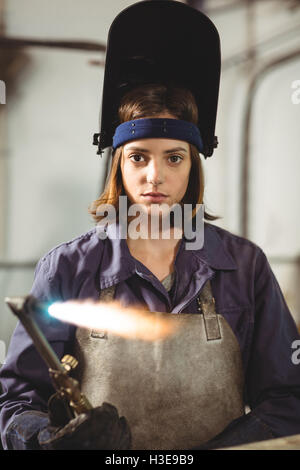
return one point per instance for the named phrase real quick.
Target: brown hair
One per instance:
(152, 100)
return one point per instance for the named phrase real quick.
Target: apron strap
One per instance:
(206, 304)
(107, 294)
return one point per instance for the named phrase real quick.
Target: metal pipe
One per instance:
(3, 162)
(18, 264)
(7, 42)
(254, 81)
(260, 46)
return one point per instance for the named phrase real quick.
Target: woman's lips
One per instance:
(154, 197)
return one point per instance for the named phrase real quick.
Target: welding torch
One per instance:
(67, 387)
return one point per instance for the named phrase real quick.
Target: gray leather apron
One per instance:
(175, 393)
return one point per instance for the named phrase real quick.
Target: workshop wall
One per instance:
(50, 169)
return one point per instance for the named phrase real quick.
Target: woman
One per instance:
(235, 345)
(155, 172)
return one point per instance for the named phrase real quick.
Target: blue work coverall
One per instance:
(246, 294)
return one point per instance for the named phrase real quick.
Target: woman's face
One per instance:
(155, 171)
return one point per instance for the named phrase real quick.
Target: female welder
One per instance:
(234, 347)
(184, 393)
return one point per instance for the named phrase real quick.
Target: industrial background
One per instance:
(51, 70)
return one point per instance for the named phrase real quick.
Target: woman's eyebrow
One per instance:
(176, 149)
(139, 149)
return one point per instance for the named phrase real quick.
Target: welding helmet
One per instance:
(165, 42)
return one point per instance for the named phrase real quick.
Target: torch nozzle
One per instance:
(16, 304)
(25, 305)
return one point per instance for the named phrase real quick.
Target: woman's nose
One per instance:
(155, 173)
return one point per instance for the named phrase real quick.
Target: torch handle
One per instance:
(65, 385)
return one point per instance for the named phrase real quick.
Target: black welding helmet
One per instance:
(167, 42)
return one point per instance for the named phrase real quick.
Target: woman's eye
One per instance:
(175, 158)
(137, 158)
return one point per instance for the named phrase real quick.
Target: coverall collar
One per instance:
(118, 264)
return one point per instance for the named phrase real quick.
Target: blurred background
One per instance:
(51, 70)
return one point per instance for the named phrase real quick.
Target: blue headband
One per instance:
(159, 128)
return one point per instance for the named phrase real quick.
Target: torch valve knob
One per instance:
(69, 362)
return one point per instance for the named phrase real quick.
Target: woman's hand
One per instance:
(99, 428)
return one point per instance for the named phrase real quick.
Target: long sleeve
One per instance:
(25, 381)
(272, 377)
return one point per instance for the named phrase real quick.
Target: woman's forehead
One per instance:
(153, 144)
